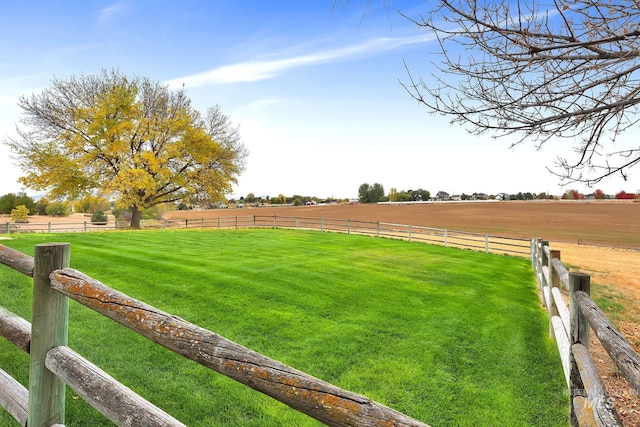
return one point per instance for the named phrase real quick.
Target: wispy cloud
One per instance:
(107, 13)
(250, 71)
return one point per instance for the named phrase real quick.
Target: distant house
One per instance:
(623, 195)
(502, 196)
(456, 197)
(442, 195)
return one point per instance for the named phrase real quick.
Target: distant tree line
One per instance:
(374, 193)
(44, 206)
(20, 206)
(295, 200)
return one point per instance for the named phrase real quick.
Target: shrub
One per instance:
(41, 206)
(19, 214)
(572, 195)
(599, 194)
(10, 201)
(98, 216)
(57, 209)
(91, 204)
(122, 214)
(154, 212)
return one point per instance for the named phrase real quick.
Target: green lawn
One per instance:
(450, 337)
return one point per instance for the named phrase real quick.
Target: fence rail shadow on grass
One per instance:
(53, 364)
(570, 326)
(437, 236)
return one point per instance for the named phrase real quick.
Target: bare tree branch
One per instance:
(537, 72)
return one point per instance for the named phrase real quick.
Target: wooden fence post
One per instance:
(578, 334)
(533, 251)
(409, 231)
(378, 229)
(555, 283)
(486, 243)
(48, 330)
(544, 261)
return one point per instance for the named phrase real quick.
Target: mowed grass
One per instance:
(450, 337)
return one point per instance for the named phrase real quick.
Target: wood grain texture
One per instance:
(16, 260)
(597, 397)
(16, 329)
(111, 398)
(14, 398)
(49, 325)
(623, 355)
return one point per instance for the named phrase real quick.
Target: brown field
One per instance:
(610, 223)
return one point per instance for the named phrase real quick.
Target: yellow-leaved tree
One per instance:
(127, 138)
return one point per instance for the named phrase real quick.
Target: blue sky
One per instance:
(314, 87)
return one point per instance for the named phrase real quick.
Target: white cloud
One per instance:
(250, 71)
(107, 13)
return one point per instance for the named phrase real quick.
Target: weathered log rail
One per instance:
(590, 402)
(53, 364)
(437, 236)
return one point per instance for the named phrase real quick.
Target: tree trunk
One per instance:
(136, 215)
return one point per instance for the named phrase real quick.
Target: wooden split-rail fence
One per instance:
(438, 236)
(53, 364)
(571, 325)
